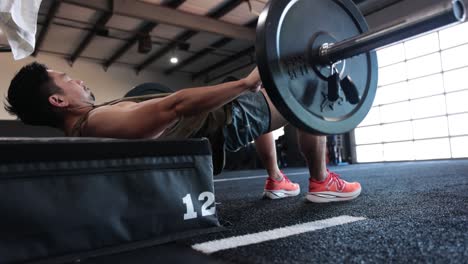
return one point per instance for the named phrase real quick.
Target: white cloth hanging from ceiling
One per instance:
(18, 21)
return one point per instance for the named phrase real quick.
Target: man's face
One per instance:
(74, 91)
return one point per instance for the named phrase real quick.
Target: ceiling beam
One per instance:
(100, 24)
(184, 36)
(160, 14)
(245, 52)
(45, 28)
(222, 10)
(371, 6)
(145, 29)
(366, 7)
(218, 44)
(172, 45)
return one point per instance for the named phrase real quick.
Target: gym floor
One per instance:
(408, 212)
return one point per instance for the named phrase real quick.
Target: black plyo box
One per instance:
(65, 199)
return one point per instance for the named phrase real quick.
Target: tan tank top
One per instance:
(208, 124)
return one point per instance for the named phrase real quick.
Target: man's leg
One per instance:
(266, 149)
(313, 149)
(324, 186)
(277, 185)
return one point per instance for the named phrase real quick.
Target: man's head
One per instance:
(39, 96)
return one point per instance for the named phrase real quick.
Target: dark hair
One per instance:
(28, 96)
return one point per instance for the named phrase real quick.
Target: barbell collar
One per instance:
(445, 14)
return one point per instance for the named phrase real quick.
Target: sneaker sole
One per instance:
(327, 197)
(278, 194)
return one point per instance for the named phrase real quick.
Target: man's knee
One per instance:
(276, 119)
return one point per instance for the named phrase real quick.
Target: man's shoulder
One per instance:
(105, 111)
(109, 108)
(100, 117)
(111, 120)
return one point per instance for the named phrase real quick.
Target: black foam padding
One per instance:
(66, 199)
(66, 148)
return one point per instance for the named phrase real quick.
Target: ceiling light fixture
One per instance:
(174, 60)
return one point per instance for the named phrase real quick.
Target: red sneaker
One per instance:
(280, 189)
(332, 189)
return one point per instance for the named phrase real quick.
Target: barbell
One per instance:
(317, 58)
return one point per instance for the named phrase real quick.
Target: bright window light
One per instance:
(458, 124)
(459, 147)
(370, 153)
(457, 102)
(420, 111)
(392, 74)
(399, 151)
(456, 80)
(395, 112)
(278, 132)
(391, 55)
(454, 58)
(366, 135)
(392, 93)
(372, 118)
(422, 46)
(423, 66)
(454, 36)
(431, 85)
(428, 107)
(432, 149)
(397, 132)
(430, 128)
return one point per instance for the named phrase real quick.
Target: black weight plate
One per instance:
(148, 88)
(286, 32)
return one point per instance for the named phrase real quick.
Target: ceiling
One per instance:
(78, 31)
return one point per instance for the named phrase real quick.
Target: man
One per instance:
(233, 113)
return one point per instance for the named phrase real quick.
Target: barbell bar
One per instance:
(317, 58)
(448, 13)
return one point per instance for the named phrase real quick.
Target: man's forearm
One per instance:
(195, 100)
(150, 118)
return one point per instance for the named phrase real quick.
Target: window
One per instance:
(278, 132)
(421, 110)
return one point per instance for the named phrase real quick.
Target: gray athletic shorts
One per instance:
(250, 119)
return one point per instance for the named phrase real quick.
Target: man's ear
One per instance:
(58, 100)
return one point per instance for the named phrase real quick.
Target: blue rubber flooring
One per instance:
(415, 212)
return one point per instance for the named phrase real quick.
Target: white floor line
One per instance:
(238, 241)
(256, 177)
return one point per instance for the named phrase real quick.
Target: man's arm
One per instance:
(150, 118)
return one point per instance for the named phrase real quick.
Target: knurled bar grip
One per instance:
(444, 14)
